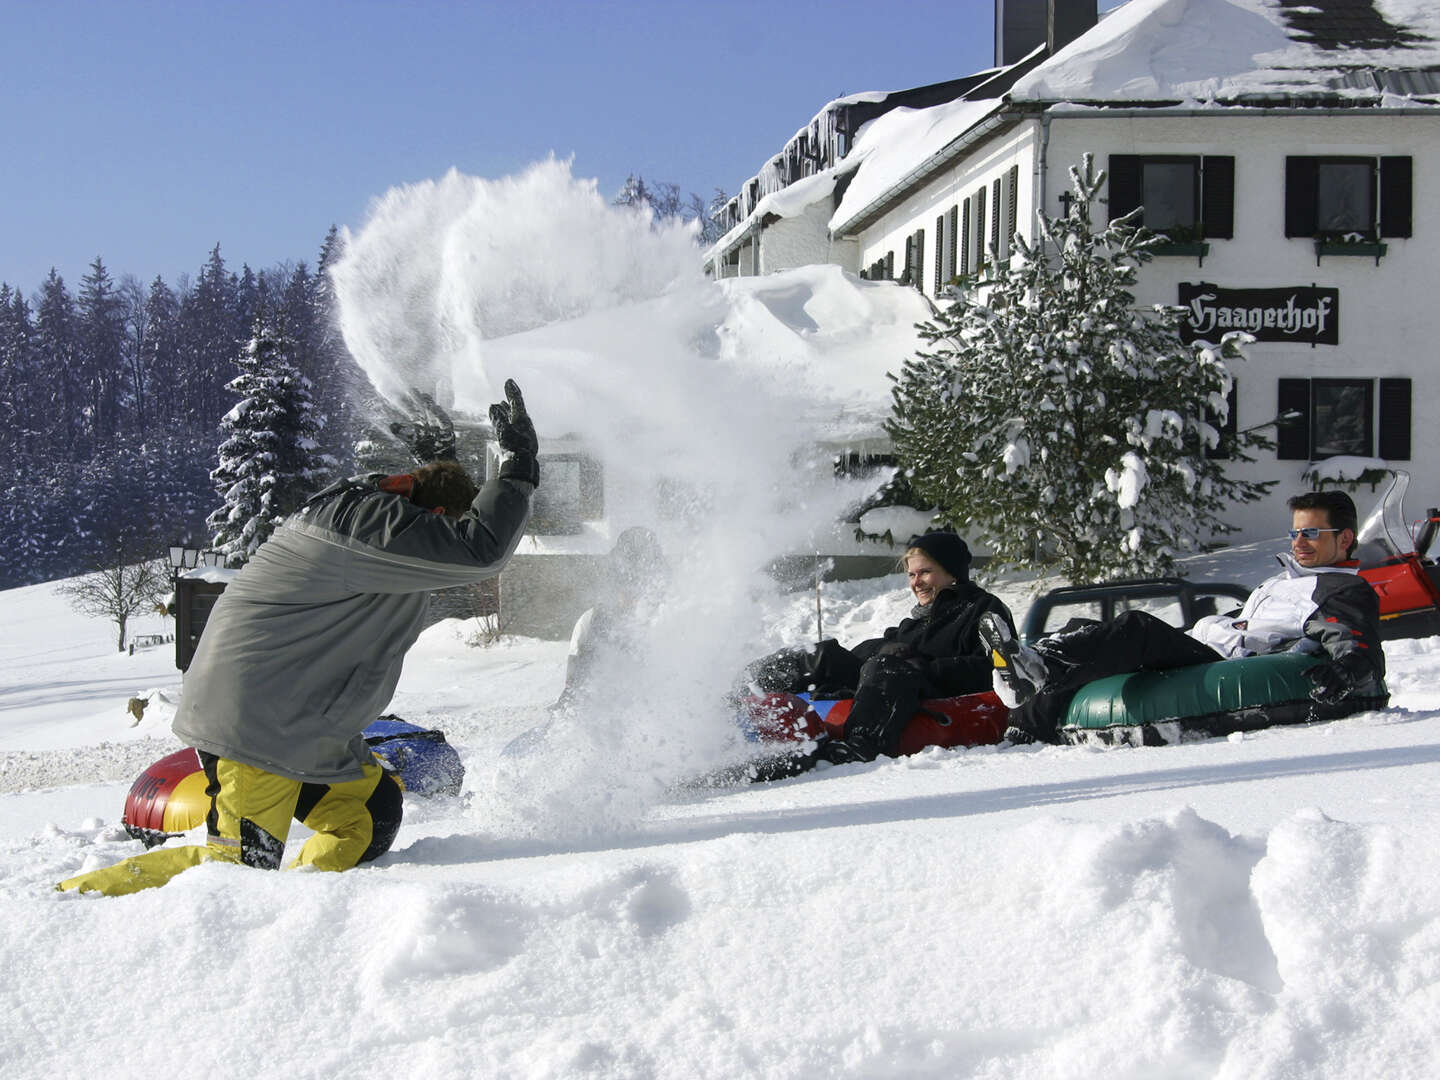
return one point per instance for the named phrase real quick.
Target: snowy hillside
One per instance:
(1260, 906)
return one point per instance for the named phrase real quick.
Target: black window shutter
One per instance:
(1292, 438)
(918, 277)
(1012, 221)
(909, 272)
(995, 217)
(1125, 189)
(939, 253)
(1395, 196)
(1395, 419)
(1302, 183)
(889, 266)
(1218, 192)
(954, 238)
(981, 251)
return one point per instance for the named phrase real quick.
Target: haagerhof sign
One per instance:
(1303, 313)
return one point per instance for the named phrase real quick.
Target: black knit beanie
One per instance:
(947, 549)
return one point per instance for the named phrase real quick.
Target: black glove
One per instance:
(1333, 682)
(516, 436)
(431, 437)
(901, 650)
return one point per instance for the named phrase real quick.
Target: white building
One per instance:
(1291, 152)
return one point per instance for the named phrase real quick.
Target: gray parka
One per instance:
(304, 649)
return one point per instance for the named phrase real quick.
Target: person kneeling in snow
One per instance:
(1317, 604)
(936, 652)
(305, 647)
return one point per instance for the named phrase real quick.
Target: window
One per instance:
(1188, 197)
(966, 262)
(1332, 197)
(1339, 416)
(917, 277)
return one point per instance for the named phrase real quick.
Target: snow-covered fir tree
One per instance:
(1061, 424)
(269, 461)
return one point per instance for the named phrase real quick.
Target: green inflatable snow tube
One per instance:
(1152, 708)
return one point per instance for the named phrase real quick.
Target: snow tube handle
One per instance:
(1426, 536)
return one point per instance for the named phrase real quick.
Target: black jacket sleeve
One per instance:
(1346, 623)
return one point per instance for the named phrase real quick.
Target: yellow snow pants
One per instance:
(249, 819)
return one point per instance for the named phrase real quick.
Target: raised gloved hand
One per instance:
(1333, 681)
(431, 436)
(516, 436)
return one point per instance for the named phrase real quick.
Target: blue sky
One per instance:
(147, 132)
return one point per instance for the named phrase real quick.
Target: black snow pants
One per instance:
(1086, 650)
(886, 689)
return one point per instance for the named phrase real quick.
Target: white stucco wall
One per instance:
(1389, 318)
(993, 160)
(1389, 321)
(801, 240)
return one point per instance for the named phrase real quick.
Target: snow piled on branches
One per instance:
(1059, 423)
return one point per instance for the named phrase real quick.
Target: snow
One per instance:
(893, 144)
(1208, 51)
(1266, 905)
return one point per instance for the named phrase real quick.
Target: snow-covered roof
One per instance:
(1228, 51)
(894, 148)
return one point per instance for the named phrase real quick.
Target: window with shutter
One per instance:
(1169, 188)
(1342, 197)
(917, 278)
(908, 275)
(890, 266)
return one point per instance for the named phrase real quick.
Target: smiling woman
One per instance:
(935, 653)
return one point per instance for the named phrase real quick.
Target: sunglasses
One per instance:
(1310, 533)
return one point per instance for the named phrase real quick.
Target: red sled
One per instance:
(968, 720)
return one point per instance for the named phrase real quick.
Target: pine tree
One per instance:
(269, 460)
(60, 395)
(1062, 424)
(101, 338)
(208, 337)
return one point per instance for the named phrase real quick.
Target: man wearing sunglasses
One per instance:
(1318, 603)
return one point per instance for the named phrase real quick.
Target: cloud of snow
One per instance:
(704, 404)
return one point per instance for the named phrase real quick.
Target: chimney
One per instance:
(1021, 25)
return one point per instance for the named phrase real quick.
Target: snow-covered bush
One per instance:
(1059, 423)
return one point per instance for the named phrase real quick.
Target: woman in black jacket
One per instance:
(936, 652)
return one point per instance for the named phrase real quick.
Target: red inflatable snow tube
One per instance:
(969, 720)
